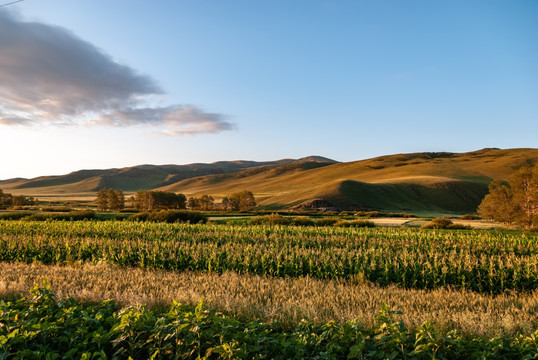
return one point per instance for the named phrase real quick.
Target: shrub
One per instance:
(302, 221)
(142, 216)
(326, 221)
(55, 209)
(80, 215)
(70, 216)
(444, 223)
(37, 217)
(355, 223)
(170, 216)
(14, 215)
(273, 219)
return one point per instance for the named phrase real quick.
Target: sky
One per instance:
(108, 84)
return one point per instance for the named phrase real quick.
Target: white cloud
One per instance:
(49, 76)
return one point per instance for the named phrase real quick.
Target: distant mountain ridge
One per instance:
(142, 177)
(427, 181)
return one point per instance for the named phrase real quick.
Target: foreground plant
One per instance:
(40, 327)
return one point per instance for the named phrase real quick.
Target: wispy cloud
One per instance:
(173, 120)
(49, 76)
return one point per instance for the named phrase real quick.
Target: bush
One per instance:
(170, 216)
(444, 223)
(37, 217)
(302, 221)
(355, 223)
(273, 219)
(80, 215)
(14, 215)
(55, 209)
(70, 216)
(142, 216)
(326, 221)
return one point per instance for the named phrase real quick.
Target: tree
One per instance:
(5, 199)
(498, 204)
(102, 199)
(151, 200)
(243, 201)
(192, 203)
(225, 203)
(246, 201)
(516, 201)
(121, 199)
(132, 202)
(524, 185)
(205, 202)
(110, 199)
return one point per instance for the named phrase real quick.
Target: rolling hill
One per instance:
(453, 182)
(142, 177)
(403, 182)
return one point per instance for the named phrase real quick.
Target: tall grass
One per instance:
(287, 301)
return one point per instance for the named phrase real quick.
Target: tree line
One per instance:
(240, 201)
(8, 200)
(158, 200)
(114, 199)
(110, 199)
(514, 201)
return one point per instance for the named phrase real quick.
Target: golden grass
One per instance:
(277, 299)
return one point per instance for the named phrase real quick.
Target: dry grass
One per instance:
(276, 299)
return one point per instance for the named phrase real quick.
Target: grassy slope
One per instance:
(422, 181)
(128, 179)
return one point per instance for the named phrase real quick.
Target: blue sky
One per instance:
(100, 84)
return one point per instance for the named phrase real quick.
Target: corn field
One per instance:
(484, 262)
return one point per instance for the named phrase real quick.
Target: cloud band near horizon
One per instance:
(49, 76)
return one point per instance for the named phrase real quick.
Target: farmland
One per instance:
(461, 293)
(491, 262)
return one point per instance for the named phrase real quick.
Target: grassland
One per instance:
(283, 291)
